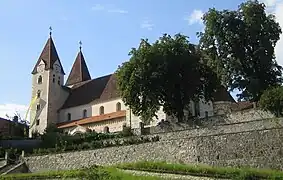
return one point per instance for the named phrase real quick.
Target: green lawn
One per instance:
(95, 173)
(202, 170)
(113, 173)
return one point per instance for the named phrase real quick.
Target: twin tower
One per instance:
(49, 92)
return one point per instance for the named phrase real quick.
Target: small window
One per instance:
(106, 129)
(37, 107)
(84, 113)
(118, 106)
(39, 80)
(53, 80)
(38, 94)
(101, 110)
(58, 82)
(37, 122)
(69, 116)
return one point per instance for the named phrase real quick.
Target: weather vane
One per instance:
(50, 28)
(80, 43)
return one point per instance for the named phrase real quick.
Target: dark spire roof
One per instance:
(49, 55)
(79, 72)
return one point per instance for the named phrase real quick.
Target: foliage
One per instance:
(239, 46)
(203, 170)
(95, 172)
(94, 144)
(167, 73)
(272, 100)
(126, 131)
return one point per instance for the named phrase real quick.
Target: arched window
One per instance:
(59, 80)
(101, 110)
(38, 94)
(84, 113)
(118, 106)
(39, 80)
(69, 117)
(106, 129)
(53, 80)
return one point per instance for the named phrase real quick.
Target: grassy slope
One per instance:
(202, 170)
(91, 173)
(112, 173)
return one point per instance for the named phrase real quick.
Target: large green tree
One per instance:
(167, 73)
(239, 46)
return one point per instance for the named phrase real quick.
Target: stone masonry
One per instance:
(256, 143)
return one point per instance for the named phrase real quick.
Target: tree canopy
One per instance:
(239, 46)
(168, 73)
(272, 100)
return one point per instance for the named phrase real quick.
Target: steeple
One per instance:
(79, 72)
(48, 55)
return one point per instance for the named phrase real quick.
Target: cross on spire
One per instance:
(80, 43)
(50, 30)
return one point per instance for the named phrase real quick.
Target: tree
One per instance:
(272, 100)
(239, 46)
(167, 73)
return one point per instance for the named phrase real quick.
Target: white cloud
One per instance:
(147, 24)
(195, 17)
(99, 7)
(11, 109)
(276, 7)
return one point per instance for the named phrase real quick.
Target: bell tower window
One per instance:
(38, 94)
(37, 107)
(37, 122)
(39, 80)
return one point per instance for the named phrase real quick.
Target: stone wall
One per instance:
(255, 144)
(231, 118)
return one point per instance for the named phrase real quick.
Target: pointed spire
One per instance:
(49, 55)
(79, 72)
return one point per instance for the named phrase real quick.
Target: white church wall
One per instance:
(114, 125)
(76, 112)
(109, 106)
(134, 120)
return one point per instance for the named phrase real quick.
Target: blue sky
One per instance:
(107, 29)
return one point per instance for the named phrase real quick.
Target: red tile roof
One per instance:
(93, 119)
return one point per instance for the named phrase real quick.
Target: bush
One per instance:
(126, 132)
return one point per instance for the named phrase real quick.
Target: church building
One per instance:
(83, 103)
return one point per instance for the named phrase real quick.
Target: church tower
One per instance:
(48, 93)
